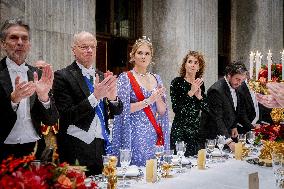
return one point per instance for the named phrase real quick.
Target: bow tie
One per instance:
(19, 69)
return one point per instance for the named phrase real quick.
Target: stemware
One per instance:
(167, 163)
(250, 136)
(159, 151)
(125, 159)
(277, 166)
(180, 148)
(221, 141)
(210, 146)
(242, 138)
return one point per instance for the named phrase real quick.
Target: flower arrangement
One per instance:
(276, 73)
(270, 132)
(18, 173)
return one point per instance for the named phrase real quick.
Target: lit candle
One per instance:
(257, 63)
(269, 63)
(282, 62)
(251, 59)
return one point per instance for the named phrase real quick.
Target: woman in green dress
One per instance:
(188, 100)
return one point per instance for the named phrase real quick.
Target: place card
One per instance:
(151, 170)
(253, 181)
(238, 151)
(201, 159)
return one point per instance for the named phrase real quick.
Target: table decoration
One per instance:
(18, 173)
(110, 172)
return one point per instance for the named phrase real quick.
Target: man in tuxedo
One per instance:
(224, 105)
(84, 106)
(25, 102)
(252, 113)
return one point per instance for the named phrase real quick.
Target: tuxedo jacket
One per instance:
(222, 116)
(71, 97)
(248, 111)
(8, 116)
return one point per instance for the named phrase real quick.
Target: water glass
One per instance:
(277, 159)
(221, 141)
(210, 146)
(242, 138)
(167, 163)
(250, 136)
(180, 148)
(125, 159)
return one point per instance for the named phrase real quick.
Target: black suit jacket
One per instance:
(71, 97)
(8, 116)
(222, 116)
(248, 113)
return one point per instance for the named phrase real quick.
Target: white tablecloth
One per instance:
(232, 174)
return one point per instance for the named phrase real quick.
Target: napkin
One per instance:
(132, 171)
(216, 153)
(184, 160)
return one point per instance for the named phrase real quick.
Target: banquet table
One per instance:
(232, 174)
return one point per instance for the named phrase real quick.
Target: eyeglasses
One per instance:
(86, 47)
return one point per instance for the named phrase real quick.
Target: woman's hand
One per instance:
(195, 87)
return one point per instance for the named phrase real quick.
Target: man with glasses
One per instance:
(224, 106)
(85, 98)
(25, 101)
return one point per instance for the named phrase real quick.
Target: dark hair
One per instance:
(200, 60)
(234, 68)
(12, 22)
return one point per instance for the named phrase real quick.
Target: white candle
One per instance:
(269, 63)
(282, 62)
(251, 59)
(257, 63)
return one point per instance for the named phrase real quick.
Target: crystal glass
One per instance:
(277, 159)
(125, 159)
(35, 165)
(221, 141)
(167, 164)
(159, 151)
(105, 169)
(210, 146)
(180, 148)
(242, 138)
(250, 136)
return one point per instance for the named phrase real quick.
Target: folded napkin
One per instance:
(184, 160)
(132, 171)
(216, 153)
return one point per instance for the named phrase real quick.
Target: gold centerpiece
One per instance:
(110, 172)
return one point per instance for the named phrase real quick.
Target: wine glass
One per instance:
(221, 141)
(125, 159)
(277, 165)
(105, 169)
(210, 146)
(180, 148)
(250, 138)
(167, 163)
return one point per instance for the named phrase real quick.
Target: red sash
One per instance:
(147, 110)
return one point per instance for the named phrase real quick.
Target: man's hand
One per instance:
(234, 133)
(106, 88)
(22, 90)
(44, 85)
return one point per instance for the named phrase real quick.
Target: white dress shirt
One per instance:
(23, 130)
(255, 104)
(95, 130)
(233, 94)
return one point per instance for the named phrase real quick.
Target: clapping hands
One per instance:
(107, 87)
(195, 88)
(157, 94)
(275, 99)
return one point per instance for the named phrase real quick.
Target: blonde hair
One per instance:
(137, 44)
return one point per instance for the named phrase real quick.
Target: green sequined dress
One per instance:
(187, 110)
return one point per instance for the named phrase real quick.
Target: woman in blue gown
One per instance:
(133, 129)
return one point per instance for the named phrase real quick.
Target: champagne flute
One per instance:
(125, 159)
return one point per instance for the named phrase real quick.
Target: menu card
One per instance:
(201, 159)
(151, 170)
(253, 181)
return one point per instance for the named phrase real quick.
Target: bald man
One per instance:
(85, 98)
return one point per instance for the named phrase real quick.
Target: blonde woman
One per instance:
(144, 121)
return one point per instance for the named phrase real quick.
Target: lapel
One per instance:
(5, 79)
(247, 94)
(77, 74)
(228, 93)
(31, 78)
